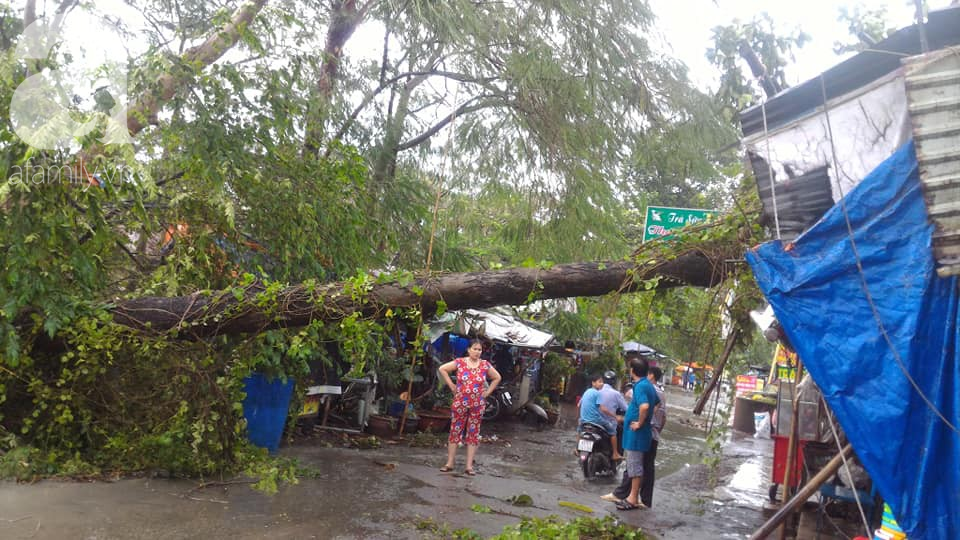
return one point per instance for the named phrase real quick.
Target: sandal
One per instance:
(469, 472)
(446, 469)
(624, 504)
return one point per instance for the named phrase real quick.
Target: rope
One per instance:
(856, 494)
(773, 187)
(863, 279)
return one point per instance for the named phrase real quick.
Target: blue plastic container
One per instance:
(265, 408)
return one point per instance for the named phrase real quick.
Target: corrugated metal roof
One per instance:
(943, 30)
(933, 95)
(801, 200)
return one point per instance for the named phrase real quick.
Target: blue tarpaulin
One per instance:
(820, 298)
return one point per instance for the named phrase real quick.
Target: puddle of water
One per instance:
(746, 486)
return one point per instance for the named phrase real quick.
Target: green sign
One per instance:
(661, 220)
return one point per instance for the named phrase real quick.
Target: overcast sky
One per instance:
(687, 24)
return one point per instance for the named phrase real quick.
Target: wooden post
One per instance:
(808, 489)
(406, 402)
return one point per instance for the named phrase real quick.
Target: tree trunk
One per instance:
(344, 19)
(206, 314)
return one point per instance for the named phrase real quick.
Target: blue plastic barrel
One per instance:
(265, 409)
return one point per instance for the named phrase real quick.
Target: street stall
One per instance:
(856, 170)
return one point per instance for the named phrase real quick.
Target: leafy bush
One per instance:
(580, 528)
(556, 367)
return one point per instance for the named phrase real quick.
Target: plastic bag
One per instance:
(761, 422)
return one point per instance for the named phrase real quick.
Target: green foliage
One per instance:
(556, 368)
(867, 26)
(521, 499)
(567, 326)
(605, 361)
(437, 530)
(581, 528)
(739, 86)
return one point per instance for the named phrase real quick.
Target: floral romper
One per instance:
(468, 405)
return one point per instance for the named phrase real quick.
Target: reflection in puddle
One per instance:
(746, 486)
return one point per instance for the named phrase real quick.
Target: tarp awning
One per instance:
(859, 349)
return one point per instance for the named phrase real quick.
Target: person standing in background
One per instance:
(657, 421)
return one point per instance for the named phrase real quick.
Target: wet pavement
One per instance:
(397, 491)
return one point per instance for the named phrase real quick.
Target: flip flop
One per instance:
(624, 504)
(446, 469)
(469, 472)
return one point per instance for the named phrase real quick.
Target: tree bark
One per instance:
(206, 314)
(770, 87)
(344, 20)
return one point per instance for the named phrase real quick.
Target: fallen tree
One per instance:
(254, 309)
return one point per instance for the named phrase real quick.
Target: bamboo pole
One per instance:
(792, 443)
(808, 489)
(718, 371)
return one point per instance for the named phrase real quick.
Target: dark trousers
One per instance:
(646, 483)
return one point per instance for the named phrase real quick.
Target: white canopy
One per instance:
(633, 346)
(501, 327)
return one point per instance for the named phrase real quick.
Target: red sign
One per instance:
(746, 384)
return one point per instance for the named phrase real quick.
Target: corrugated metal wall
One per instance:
(801, 200)
(933, 95)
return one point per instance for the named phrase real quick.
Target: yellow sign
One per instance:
(784, 366)
(311, 405)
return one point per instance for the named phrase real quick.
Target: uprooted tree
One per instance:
(141, 284)
(207, 314)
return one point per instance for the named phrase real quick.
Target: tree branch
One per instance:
(391, 81)
(200, 56)
(465, 108)
(29, 13)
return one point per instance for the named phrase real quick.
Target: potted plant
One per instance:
(552, 409)
(442, 399)
(382, 425)
(433, 421)
(556, 372)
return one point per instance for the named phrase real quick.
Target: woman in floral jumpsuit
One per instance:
(468, 401)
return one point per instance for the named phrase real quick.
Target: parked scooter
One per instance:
(496, 403)
(595, 452)
(501, 402)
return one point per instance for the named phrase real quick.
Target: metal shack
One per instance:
(859, 173)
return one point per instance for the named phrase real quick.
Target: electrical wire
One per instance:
(863, 279)
(853, 487)
(773, 187)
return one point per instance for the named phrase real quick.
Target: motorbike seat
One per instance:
(591, 425)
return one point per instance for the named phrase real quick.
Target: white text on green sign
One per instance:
(661, 220)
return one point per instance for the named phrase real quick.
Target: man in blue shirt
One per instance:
(637, 433)
(658, 419)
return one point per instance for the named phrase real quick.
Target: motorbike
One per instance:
(595, 452)
(501, 402)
